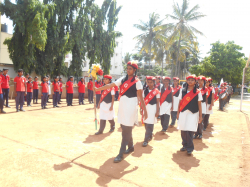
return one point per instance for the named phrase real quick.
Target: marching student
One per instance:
(222, 95)
(70, 90)
(61, 90)
(29, 91)
(45, 91)
(152, 101)
(55, 91)
(130, 89)
(81, 91)
(106, 106)
(5, 86)
(98, 84)
(166, 102)
(210, 102)
(204, 92)
(20, 90)
(1, 97)
(158, 84)
(90, 91)
(176, 92)
(189, 113)
(35, 90)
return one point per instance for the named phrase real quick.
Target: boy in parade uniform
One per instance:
(20, 90)
(189, 113)
(29, 91)
(151, 97)
(176, 92)
(35, 90)
(166, 101)
(5, 86)
(90, 91)
(81, 91)
(56, 91)
(1, 97)
(45, 91)
(204, 92)
(106, 106)
(130, 91)
(222, 94)
(70, 90)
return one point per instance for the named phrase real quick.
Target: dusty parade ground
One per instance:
(57, 147)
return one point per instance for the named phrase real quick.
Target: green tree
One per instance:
(147, 41)
(181, 28)
(30, 20)
(224, 61)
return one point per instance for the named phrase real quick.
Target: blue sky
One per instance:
(226, 20)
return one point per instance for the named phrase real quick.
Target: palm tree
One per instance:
(181, 29)
(148, 40)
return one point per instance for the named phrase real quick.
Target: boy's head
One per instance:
(20, 72)
(82, 79)
(60, 78)
(44, 79)
(107, 79)
(5, 71)
(56, 78)
(166, 80)
(30, 79)
(36, 78)
(71, 78)
(150, 82)
(90, 80)
(27, 75)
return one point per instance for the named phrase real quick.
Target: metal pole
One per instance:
(242, 88)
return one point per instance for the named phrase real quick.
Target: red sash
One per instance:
(105, 93)
(176, 89)
(164, 95)
(205, 91)
(156, 86)
(222, 91)
(216, 95)
(151, 95)
(187, 98)
(126, 85)
(210, 89)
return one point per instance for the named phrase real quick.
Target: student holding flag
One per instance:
(130, 91)
(189, 113)
(176, 92)
(152, 99)
(165, 103)
(106, 106)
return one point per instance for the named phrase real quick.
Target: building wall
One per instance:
(4, 54)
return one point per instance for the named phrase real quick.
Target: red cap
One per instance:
(133, 64)
(149, 77)
(209, 79)
(201, 78)
(108, 76)
(166, 78)
(176, 78)
(191, 77)
(158, 77)
(222, 84)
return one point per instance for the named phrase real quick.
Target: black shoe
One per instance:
(30, 105)
(71, 105)
(111, 130)
(204, 129)
(45, 107)
(59, 103)
(97, 133)
(118, 159)
(17, 110)
(183, 149)
(144, 144)
(163, 130)
(200, 137)
(42, 107)
(8, 106)
(189, 152)
(21, 109)
(195, 136)
(3, 112)
(48, 102)
(129, 150)
(54, 106)
(57, 106)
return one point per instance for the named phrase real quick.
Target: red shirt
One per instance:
(29, 87)
(116, 88)
(5, 81)
(98, 85)
(35, 85)
(70, 87)
(20, 83)
(0, 85)
(44, 87)
(81, 88)
(56, 86)
(90, 85)
(61, 86)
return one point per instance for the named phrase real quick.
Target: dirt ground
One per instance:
(57, 147)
